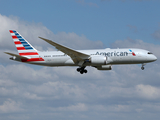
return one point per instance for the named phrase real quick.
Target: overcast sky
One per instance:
(29, 92)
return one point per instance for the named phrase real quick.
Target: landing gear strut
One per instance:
(82, 70)
(143, 66)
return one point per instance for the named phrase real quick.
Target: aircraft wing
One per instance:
(18, 56)
(75, 55)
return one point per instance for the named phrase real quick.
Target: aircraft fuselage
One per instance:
(114, 56)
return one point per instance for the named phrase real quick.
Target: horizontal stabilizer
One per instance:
(17, 56)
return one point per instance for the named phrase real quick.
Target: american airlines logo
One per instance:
(132, 52)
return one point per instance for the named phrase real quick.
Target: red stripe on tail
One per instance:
(17, 42)
(29, 53)
(11, 31)
(32, 60)
(21, 48)
(14, 37)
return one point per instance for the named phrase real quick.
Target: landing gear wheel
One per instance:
(78, 69)
(81, 70)
(142, 68)
(85, 71)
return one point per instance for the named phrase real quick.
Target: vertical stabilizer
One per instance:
(24, 47)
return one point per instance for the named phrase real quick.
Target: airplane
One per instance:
(102, 59)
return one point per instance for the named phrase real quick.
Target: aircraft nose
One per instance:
(154, 58)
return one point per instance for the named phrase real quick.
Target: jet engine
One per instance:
(98, 60)
(104, 67)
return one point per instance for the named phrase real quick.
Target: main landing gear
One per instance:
(82, 70)
(143, 66)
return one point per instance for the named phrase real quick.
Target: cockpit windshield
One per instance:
(150, 53)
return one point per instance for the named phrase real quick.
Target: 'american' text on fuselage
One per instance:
(109, 54)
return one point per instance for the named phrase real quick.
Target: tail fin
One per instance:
(23, 46)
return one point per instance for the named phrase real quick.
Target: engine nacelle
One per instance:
(104, 67)
(98, 60)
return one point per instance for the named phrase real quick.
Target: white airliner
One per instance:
(102, 59)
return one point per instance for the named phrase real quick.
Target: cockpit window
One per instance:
(150, 53)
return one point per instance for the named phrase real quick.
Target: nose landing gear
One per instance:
(143, 66)
(82, 70)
